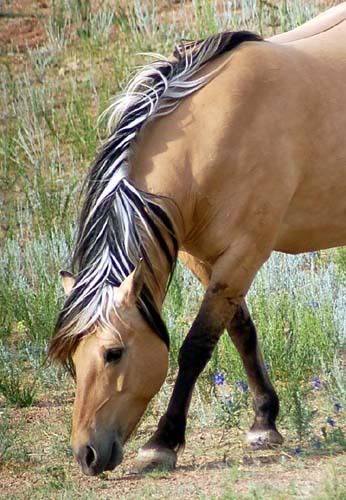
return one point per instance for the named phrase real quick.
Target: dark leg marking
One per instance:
(266, 402)
(194, 354)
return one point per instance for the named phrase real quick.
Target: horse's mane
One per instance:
(118, 222)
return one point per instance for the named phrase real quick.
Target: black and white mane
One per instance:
(118, 222)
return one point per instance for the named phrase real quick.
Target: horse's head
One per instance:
(118, 369)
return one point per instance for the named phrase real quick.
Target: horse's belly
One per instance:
(307, 239)
(316, 218)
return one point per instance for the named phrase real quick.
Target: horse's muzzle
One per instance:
(93, 461)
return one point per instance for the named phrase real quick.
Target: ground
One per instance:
(215, 464)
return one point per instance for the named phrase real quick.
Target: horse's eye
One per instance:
(113, 355)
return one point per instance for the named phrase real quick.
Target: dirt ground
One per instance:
(21, 24)
(215, 464)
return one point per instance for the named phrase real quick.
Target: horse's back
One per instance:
(276, 139)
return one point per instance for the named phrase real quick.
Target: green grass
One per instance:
(48, 137)
(13, 388)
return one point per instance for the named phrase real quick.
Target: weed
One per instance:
(301, 415)
(57, 33)
(14, 386)
(41, 59)
(98, 27)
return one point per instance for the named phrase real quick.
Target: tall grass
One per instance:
(48, 138)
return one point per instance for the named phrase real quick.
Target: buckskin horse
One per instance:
(231, 149)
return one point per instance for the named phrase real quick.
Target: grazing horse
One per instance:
(231, 149)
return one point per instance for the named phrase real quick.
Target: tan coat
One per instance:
(256, 160)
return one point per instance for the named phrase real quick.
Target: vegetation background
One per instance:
(60, 63)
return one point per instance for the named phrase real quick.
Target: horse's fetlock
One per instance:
(170, 433)
(267, 407)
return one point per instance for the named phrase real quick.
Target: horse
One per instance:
(229, 150)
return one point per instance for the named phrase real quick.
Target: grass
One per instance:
(50, 98)
(10, 447)
(13, 389)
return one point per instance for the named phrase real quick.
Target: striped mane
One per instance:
(118, 222)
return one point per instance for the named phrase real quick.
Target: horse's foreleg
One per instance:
(196, 350)
(230, 278)
(266, 403)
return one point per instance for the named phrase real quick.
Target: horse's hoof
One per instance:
(262, 439)
(151, 459)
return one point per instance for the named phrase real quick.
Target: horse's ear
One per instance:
(68, 281)
(129, 290)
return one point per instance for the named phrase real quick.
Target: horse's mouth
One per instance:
(116, 456)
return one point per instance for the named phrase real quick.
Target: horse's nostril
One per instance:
(90, 457)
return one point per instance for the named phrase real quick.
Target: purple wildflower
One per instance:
(330, 421)
(241, 386)
(219, 378)
(316, 383)
(337, 407)
(313, 304)
(298, 450)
